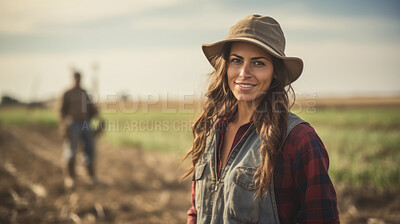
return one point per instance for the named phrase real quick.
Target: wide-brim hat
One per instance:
(262, 31)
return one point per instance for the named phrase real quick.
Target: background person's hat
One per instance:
(262, 31)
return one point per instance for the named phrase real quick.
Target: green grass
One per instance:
(366, 118)
(20, 116)
(156, 131)
(363, 143)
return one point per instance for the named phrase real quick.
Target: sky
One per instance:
(152, 48)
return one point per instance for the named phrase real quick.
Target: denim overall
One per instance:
(230, 198)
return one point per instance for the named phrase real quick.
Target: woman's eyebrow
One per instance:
(254, 58)
(237, 56)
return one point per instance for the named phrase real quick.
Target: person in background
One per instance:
(252, 160)
(75, 114)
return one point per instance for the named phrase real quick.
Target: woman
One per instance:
(252, 160)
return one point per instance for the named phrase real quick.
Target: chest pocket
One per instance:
(200, 185)
(243, 205)
(199, 171)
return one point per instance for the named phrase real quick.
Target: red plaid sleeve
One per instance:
(303, 188)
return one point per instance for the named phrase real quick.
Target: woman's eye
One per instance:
(259, 63)
(235, 60)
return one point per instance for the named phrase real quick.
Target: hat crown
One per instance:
(262, 28)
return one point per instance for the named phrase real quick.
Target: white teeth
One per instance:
(245, 86)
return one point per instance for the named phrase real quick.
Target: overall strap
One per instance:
(293, 121)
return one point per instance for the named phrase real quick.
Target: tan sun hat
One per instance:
(262, 31)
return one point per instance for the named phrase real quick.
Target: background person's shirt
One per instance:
(77, 105)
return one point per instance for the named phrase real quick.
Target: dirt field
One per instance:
(137, 186)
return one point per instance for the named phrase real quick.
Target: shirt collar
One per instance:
(223, 122)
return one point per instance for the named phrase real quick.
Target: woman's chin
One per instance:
(246, 100)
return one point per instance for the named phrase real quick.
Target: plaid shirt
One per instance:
(303, 190)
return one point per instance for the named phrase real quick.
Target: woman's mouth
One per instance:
(245, 86)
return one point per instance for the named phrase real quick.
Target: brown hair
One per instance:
(270, 117)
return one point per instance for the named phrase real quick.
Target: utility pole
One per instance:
(95, 80)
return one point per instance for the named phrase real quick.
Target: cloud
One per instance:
(332, 23)
(346, 67)
(293, 16)
(209, 16)
(171, 71)
(27, 17)
(342, 53)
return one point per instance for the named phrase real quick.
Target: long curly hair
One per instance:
(270, 117)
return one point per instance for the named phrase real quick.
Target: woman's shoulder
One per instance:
(302, 134)
(304, 144)
(301, 130)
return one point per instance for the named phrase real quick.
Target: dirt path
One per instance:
(137, 186)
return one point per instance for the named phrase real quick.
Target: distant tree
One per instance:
(8, 100)
(124, 97)
(35, 105)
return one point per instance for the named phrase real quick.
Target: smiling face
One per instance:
(250, 72)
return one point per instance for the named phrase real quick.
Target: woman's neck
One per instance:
(244, 113)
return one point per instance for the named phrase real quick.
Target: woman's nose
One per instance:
(245, 71)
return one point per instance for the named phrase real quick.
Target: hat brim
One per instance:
(294, 65)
